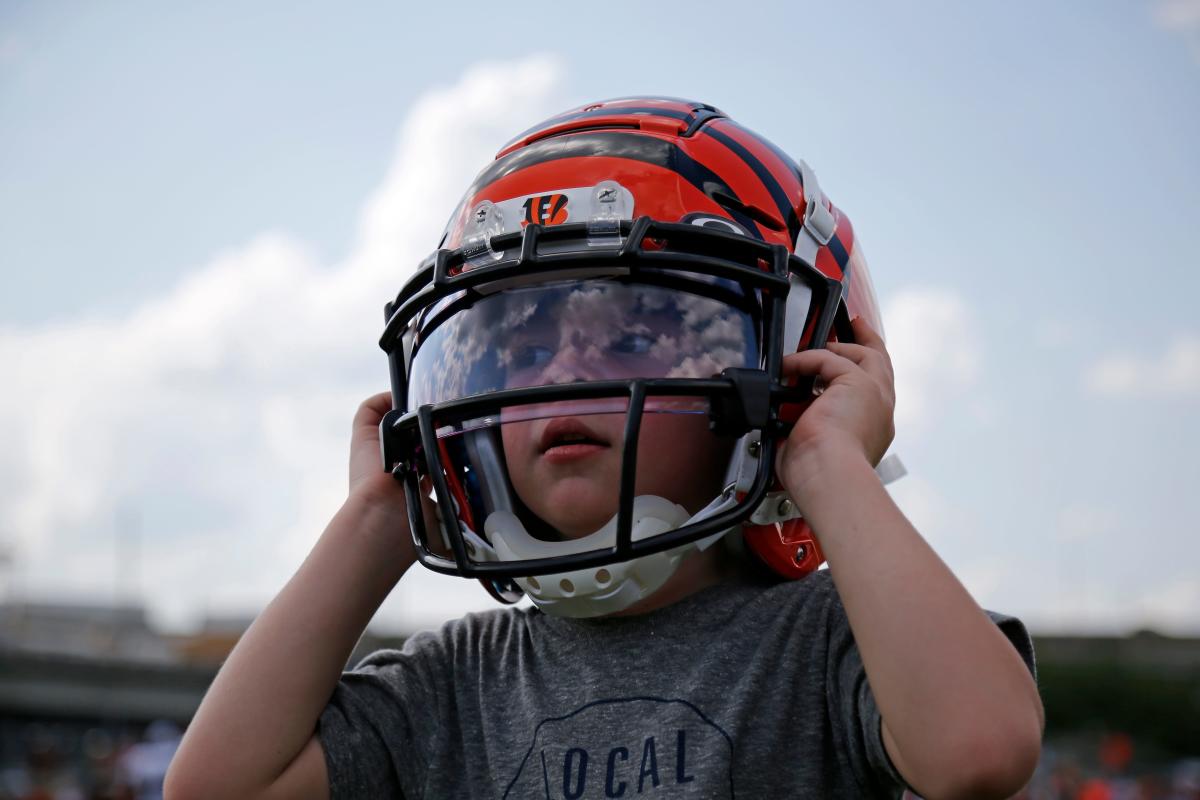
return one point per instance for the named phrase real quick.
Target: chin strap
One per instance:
(595, 591)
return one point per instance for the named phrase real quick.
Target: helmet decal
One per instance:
(545, 209)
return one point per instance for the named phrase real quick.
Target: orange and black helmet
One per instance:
(664, 212)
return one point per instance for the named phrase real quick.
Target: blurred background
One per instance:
(203, 209)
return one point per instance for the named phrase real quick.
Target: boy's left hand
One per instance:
(853, 416)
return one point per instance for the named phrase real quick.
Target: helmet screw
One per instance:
(785, 507)
(754, 447)
(801, 552)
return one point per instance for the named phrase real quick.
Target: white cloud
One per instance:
(1180, 15)
(1170, 606)
(12, 49)
(934, 349)
(221, 410)
(1183, 17)
(1173, 373)
(1057, 333)
(1080, 522)
(1089, 604)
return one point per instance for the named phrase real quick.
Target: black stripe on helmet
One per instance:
(840, 255)
(787, 160)
(787, 209)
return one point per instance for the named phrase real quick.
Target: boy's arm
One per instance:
(962, 715)
(253, 735)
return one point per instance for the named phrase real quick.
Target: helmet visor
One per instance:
(580, 331)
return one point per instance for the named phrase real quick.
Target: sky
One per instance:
(203, 209)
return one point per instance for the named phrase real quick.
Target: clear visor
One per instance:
(579, 331)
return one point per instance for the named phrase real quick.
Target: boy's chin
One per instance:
(580, 525)
(583, 518)
(576, 511)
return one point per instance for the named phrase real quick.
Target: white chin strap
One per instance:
(602, 590)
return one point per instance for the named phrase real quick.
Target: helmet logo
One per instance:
(545, 209)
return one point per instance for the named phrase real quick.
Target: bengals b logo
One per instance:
(546, 209)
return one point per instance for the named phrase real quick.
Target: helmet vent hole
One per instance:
(566, 586)
(603, 577)
(533, 584)
(736, 206)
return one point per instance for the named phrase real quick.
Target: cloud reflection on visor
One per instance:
(579, 331)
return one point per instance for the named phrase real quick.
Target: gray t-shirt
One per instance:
(740, 690)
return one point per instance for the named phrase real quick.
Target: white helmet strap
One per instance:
(819, 222)
(602, 590)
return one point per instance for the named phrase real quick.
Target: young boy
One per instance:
(643, 383)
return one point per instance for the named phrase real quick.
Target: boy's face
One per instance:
(567, 469)
(565, 465)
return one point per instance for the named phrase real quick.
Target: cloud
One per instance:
(1080, 522)
(934, 350)
(1173, 373)
(1182, 17)
(12, 49)
(218, 413)
(1170, 606)
(1101, 605)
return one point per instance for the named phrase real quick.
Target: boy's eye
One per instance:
(633, 344)
(531, 356)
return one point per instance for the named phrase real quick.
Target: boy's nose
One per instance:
(573, 363)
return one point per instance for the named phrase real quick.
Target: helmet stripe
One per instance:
(787, 209)
(840, 254)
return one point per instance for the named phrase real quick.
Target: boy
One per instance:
(647, 346)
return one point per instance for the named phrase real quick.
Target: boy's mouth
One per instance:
(567, 439)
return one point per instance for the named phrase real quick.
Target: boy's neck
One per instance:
(698, 571)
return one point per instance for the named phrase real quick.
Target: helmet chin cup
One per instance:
(602, 590)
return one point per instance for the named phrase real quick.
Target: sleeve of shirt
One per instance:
(857, 722)
(381, 721)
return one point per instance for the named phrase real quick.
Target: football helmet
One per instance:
(618, 275)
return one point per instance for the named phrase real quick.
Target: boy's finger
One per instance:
(870, 359)
(824, 364)
(371, 410)
(867, 336)
(857, 353)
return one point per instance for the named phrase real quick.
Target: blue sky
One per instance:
(1024, 177)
